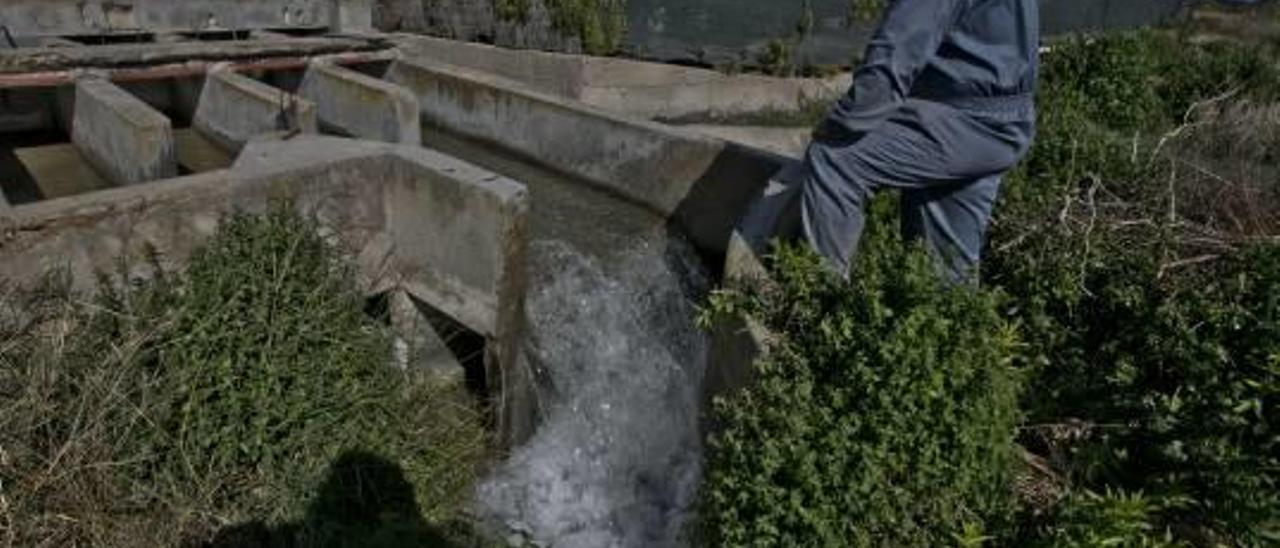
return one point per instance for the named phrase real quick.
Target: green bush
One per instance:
(1088, 520)
(884, 415)
(1144, 319)
(1143, 285)
(229, 393)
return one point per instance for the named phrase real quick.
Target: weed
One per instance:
(164, 409)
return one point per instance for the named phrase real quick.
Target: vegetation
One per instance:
(1138, 241)
(599, 25)
(246, 401)
(1136, 250)
(885, 414)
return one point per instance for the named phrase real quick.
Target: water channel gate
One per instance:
(134, 126)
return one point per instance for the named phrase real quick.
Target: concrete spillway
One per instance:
(571, 241)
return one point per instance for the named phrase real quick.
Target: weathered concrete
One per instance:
(636, 88)
(787, 141)
(351, 16)
(197, 154)
(418, 345)
(134, 55)
(449, 233)
(362, 106)
(739, 341)
(234, 109)
(75, 17)
(702, 184)
(60, 170)
(126, 140)
(25, 110)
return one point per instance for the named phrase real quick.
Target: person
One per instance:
(940, 108)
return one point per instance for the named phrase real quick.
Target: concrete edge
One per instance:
(403, 102)
(630, 86)
(544, 141)
(126, 140)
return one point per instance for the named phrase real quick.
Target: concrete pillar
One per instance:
(233, 109)
(418, 346)
(126, 140)
(362, 106)
(739, 341)
(352, 16)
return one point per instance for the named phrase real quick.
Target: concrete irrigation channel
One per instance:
(461, 190)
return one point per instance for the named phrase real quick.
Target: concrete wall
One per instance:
(71, 17)
(636, 88)
(701, 183)
(394, 209)
(234, 108)
(125, 140)
(359, 105)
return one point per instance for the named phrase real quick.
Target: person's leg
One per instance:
(833, 200)
(922, 146)
(775, 214)
(952, 221)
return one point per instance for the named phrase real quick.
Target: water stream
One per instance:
(617, 460)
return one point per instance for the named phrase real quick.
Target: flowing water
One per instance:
(617, 459)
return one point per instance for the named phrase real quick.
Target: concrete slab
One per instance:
(60, 170)
(233, 109)
(197, 153)
(126, 140)
(359, 105)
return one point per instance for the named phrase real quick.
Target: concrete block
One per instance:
(233, 109)
(127, 141)
(352, 16)
(634, 88)
(60, 171)
(197, 153)
(703, 184)
(361, 106)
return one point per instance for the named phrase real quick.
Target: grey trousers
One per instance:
(947, 162)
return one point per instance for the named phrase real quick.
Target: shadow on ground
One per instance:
(364, 502)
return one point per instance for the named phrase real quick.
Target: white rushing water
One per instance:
(617, 460)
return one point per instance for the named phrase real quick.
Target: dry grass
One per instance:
(124, 422)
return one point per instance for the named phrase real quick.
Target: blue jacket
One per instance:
(979, 54)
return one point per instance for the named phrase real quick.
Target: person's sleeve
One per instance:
(907, 39)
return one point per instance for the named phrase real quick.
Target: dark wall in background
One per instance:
(720, 32)
(725, 31)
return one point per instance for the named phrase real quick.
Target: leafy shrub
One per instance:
(1137, 249)
(223, 394)
(883, 415)
(1087, 520)
(599, 24)
(1143, 302)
